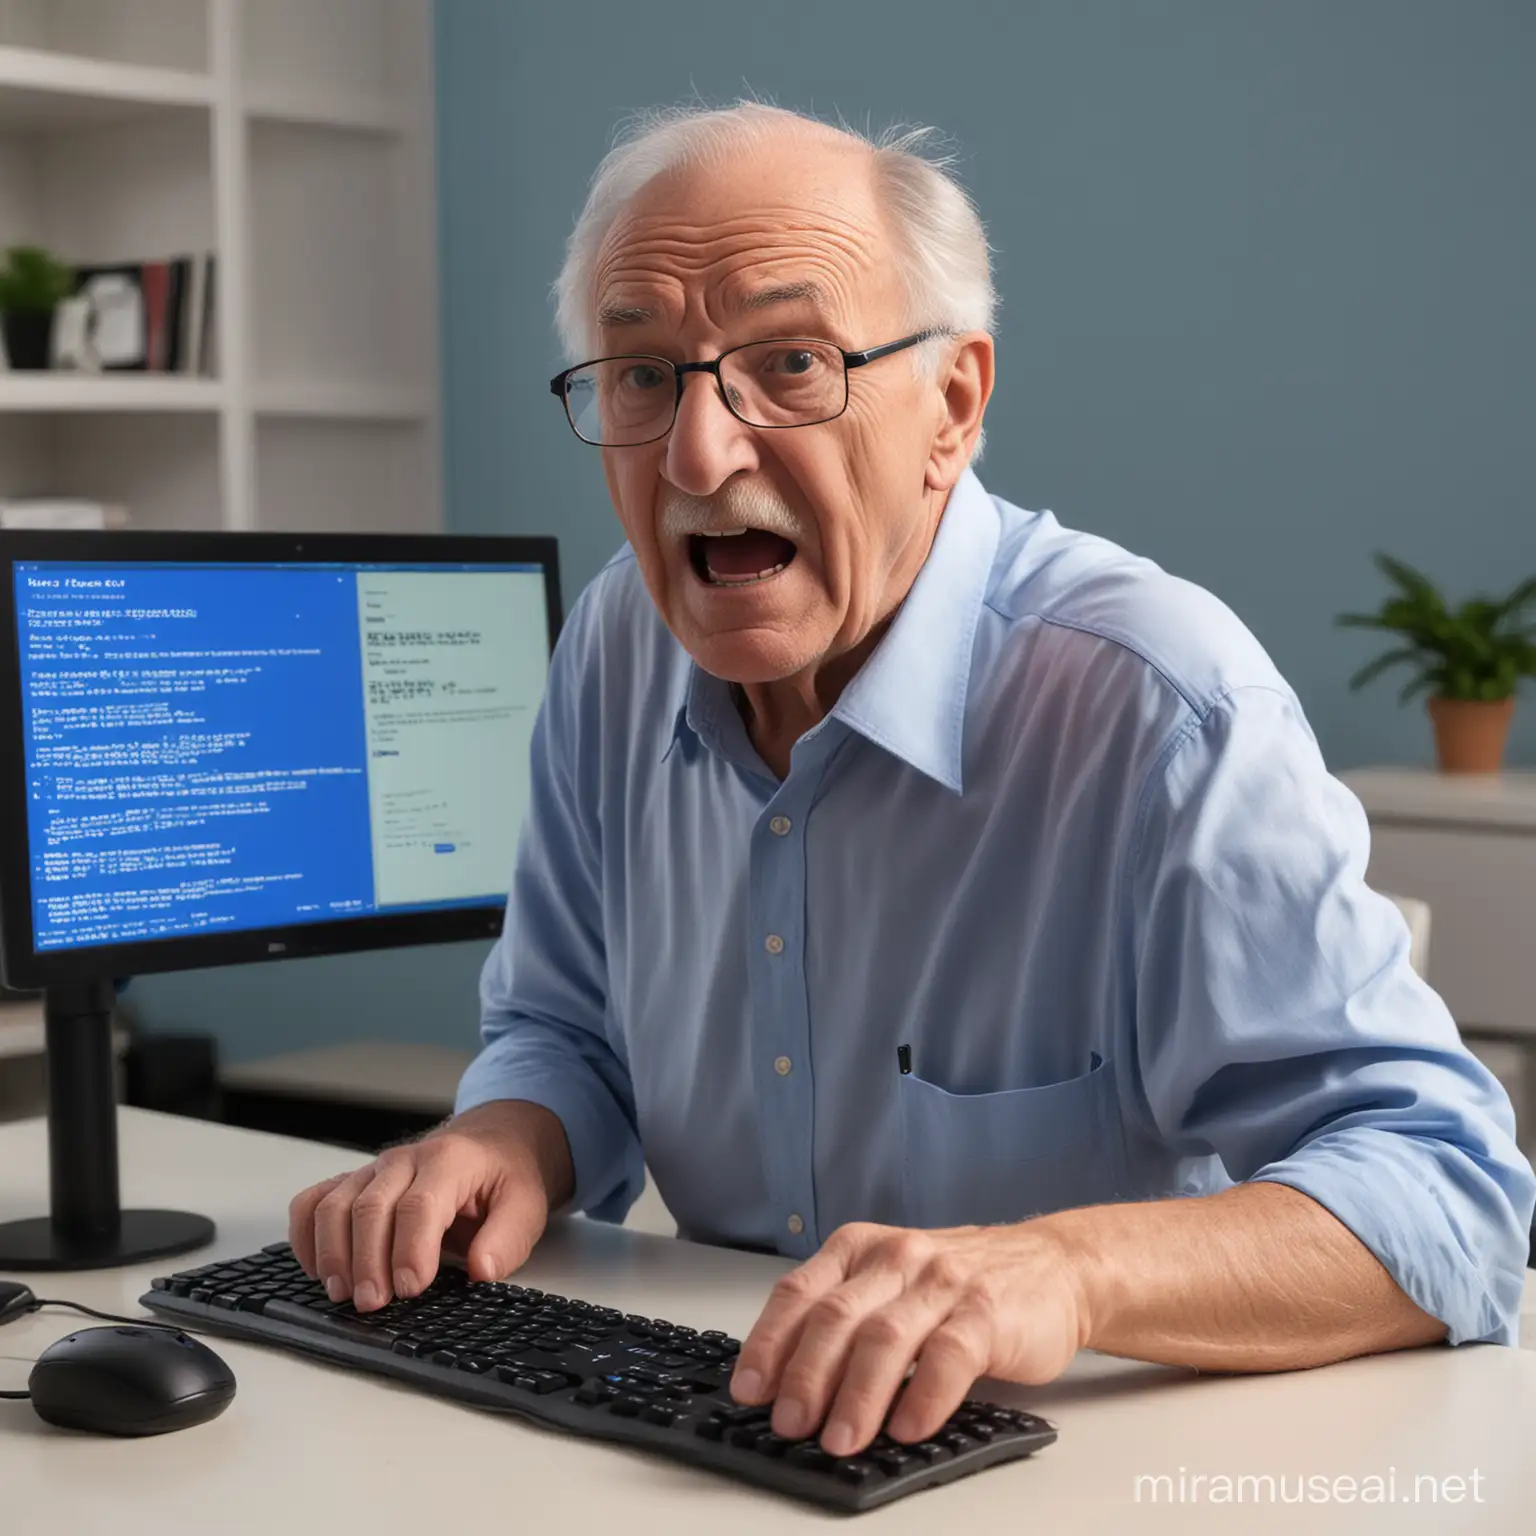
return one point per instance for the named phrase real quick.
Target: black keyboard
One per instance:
(580, 1367)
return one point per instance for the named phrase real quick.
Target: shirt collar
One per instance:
(909, 697)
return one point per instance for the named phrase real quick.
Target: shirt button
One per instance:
(781, 1065)
(795, 1225)
(774, 944)
(779, 826)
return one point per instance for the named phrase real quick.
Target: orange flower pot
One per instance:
(1470, 735)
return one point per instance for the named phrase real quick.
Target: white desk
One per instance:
(306, 1448)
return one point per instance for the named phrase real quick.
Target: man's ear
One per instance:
(966, 388)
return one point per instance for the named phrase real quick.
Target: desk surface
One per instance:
(308, 1448)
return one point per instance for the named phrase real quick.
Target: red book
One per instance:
(157, 289)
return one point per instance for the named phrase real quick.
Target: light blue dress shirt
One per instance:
(1068, 837)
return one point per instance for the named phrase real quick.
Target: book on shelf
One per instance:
(139, 317)
(61, 512)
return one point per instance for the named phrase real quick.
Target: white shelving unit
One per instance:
(293, 139)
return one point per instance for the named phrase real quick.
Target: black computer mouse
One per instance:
(129, 1380)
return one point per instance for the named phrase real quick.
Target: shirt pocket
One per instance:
(981, 1158)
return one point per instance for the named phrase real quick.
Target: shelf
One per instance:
(333, 109)
(108, 392)
(342, 402)
(47, 91)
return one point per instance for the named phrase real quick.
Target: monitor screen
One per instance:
(216, 748)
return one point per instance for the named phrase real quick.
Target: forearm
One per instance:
(529, 1135)
(1257, 1278)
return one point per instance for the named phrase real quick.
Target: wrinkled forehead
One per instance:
(786, 238)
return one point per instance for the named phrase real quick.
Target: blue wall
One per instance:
(1267, 269)
(1268, 273)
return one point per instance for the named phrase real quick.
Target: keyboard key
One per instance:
(592, 1392)
(855, 1469)
(931, 1452)
(710, 1429)
(894, 1462)
(955, 1441)
(627, 1407)
(659, 1413)
(809, 1455)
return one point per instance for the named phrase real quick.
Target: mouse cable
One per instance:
(39, 1302)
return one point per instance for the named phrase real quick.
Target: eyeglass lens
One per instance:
(626, 400)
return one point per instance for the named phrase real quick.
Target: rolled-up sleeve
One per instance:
(543, 993)
(1280, 1026)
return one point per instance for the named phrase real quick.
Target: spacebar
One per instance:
(329, 1324)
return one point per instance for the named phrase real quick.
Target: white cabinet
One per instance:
(1467, 846)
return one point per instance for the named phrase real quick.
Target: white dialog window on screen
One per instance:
(454, 667)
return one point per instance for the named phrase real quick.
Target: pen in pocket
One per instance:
(904, 1058)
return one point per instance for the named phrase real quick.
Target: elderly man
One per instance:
(951, 901)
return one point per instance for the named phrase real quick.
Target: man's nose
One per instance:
(707, 444)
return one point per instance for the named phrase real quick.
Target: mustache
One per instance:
(733, 506)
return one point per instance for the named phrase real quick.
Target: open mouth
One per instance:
(739, 557)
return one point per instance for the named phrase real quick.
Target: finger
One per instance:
(948, 1363)
(440, 1190)
(333, 1233)
(301, 1222)
(513, 1223)
(774, 1335)
(881, 1351)
(810, 1376)
(373, 1230)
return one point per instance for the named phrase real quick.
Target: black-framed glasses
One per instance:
(785, 381)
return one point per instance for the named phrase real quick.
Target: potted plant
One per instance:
(1470, 659)
(32, 286)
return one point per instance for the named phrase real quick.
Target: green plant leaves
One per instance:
(1479, 651)
(33, 280)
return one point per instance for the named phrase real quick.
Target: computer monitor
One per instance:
(219, 748)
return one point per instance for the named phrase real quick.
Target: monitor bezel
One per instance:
(21, 965)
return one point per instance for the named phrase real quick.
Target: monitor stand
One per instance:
(88, 1229)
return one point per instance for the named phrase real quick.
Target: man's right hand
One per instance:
(480, 1188)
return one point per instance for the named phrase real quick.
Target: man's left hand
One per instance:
(834, 1342)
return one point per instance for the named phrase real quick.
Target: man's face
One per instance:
(784, 240)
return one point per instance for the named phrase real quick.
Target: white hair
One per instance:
(941, 247)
